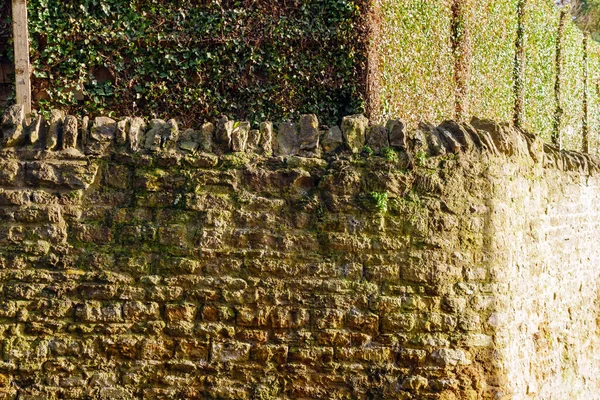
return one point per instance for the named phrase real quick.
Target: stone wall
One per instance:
(301, 262)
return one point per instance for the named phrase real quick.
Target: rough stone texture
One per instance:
(55, 129)
(70, 133)
(224, 130)
(309, 132)
(13, 133)
(397, 134)
(266, 138)
(136, 133)
(377, 138)
(173, 274)
(239, 136)
(287, 142)
(354, 128)
(332, 139)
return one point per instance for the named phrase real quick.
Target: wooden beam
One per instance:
(21, 40)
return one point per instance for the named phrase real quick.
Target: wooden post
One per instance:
(21, 40)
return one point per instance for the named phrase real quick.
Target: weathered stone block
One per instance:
(377, 138)
(170, 136)
(180, 312)
(309, 132)
(157, 129)
(397, 136)
(223, 133)
(13, 133)
(206, 137)
(55, 130)
(287, 139)
(332, 140)
(239, 136)
(354, 129)
(70, 133)
(230, 351)
(136, 134)
(266, 138)
(253, 143)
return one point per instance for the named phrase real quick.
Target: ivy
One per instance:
(251, 59)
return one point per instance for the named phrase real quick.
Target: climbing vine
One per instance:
(254, 59)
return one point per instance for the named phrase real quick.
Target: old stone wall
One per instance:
(301, 262)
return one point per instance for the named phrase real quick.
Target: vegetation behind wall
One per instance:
(252, 59)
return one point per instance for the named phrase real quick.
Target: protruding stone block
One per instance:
(239, 136)
(13, 133)
(332, 139)
(377, 138)
(122, 131)
(354, 128)
(154, 135)
(56, 124)
(252, 145)
(170, 135)
(287, 139)
(223, 133)
(34, 130)
(266, 138)
(104, 129)
(397, 135)
(309, 132)
(136, 133)
(207, 133)
(189, 141)
(70, 132)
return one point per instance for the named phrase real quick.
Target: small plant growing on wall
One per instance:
(381, 201)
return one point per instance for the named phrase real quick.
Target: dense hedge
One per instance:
(493, 27)
(593, 93)
(252, 59)
(541, 32)
(417, 61)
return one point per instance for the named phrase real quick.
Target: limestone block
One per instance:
(206, 137)
(223, 133)
(170, 136)
(189, 141)
(239, 136)
(332, 139)
(266, 138)
(309, 132)
(377, 138)
(136, 134)
(70, 133)
(56, 124)
(354, 128)
(253, 143)
(13, 133)
(397, 135)
(287, 139)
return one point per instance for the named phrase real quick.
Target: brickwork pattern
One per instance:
(138, 261)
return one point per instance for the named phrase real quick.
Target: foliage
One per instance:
(367, 150)
(416, 68)
(541, 31)
(420, 158)
(390, 155)
(493, 28)
(381, 201)
(251, 59)
(571, 95)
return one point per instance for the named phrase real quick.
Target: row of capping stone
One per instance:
(306, 138)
